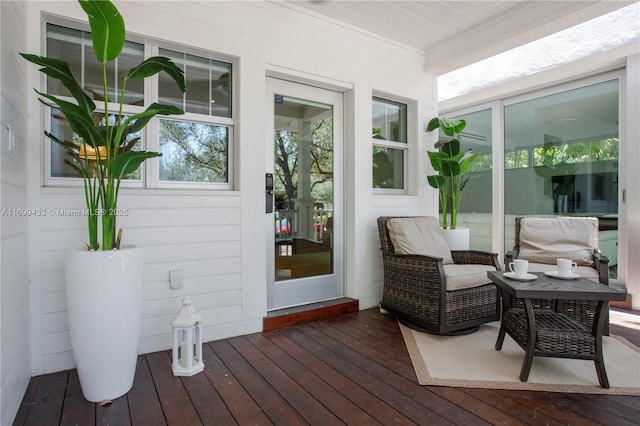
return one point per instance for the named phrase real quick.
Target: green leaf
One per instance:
(56, 140)
(434, 123)
(452, 127)
(450, 168)
(376, 133)
(466, 161)
(107, 28)
(436, 160)
(79, 120)
(156, 64)
(459, 126)
(463, 183)
(451, 148)
(128, 162)
(138, 121)
(163, 109)
(59, 70)
(436, 181)
(124, 141)
(447, 127)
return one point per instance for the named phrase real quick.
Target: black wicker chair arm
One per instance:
(601, 263)
(467, 257)
(419, 269)
(508, 257)
(425, 257)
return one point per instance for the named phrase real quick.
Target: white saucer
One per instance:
(556, 274)
(513, 276)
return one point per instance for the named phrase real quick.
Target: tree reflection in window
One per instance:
(286, 146)
(194, 152)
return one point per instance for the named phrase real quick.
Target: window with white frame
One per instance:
(389, 142)
(196, 146)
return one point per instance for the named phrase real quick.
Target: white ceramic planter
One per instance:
(457, 239)
(104, 305)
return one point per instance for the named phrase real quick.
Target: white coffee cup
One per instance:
(519, 267)
(566, 267)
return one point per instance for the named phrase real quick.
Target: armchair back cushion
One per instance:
(543, 240)
(419, 235)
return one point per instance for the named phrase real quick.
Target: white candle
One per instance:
(183, 354)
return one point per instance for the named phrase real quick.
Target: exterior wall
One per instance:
(217, 238)
(15, 368)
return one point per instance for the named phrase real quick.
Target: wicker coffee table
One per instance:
(551, 333)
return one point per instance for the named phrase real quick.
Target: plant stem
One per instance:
(443, 205)
(107, 221)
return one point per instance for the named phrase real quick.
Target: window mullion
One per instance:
(151, 133)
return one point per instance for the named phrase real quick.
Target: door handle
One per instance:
(269, 192)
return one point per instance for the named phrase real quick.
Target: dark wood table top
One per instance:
(546, 287)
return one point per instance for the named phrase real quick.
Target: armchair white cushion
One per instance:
(471, 275)
(544, 240)
(419, 235)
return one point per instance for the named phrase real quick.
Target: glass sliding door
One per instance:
(476, 205)
(561, 158)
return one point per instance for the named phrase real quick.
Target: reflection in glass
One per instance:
(208, 85)
(193, 152)
(65, 44)
(477, 136)
(303, 216)
(477, 193)
(389, 134)
(65, 161)
(561, 158)
(388, 167)
(69, 44)
(389, 120)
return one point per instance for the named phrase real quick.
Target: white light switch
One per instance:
(175, 279)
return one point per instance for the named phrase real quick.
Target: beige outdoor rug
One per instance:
(472, 361)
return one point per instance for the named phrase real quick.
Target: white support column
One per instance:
(304, 201)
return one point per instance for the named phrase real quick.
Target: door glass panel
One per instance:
(303, 188)
(561, 158)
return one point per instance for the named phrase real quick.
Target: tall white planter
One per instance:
(104, 305)
(457, 239)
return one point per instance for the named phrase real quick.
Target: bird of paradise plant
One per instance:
(105, 155)
(451, 164)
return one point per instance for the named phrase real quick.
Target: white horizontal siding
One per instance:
(197, 234)
(15, 367)
(217, 238)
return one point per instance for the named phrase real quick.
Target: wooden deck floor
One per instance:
(353, 369)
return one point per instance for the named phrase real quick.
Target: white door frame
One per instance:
(288, 292)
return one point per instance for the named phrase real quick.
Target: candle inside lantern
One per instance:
(187, 341)
(182, 355)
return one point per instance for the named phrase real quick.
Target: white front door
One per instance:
(305, 229)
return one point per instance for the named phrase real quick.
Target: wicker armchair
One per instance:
(557, 240)
(415, 288)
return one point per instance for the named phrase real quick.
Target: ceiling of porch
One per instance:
(453, 34)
